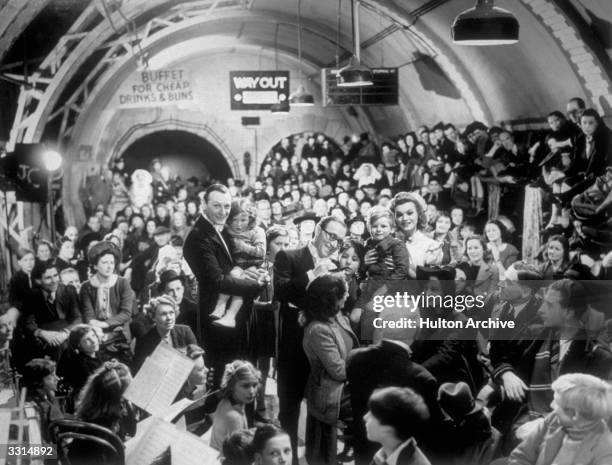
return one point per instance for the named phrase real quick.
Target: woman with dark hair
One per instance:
(44, 251)
(449, 353)
(271, 446)
(40, 380)
(65, 255)
(106, 300)
(591, 154)
(482, 276)
(238, 388)
(328, 339)
(81, 358)
(504, 254)
(101, 400)
(556, 257)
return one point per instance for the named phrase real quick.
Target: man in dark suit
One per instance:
(293, 271)
(384, 364)
(49, 311)
(208, 251)
(162, 310)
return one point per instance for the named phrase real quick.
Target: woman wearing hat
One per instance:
(106, 299)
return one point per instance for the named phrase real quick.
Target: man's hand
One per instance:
(513, 386)
(53, 338)
(323, 267)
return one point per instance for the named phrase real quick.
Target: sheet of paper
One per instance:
(170, 384)
(177, 408)
(159, 380)
(185, 448)
(144, 386)
(189, 449)
(153, 443)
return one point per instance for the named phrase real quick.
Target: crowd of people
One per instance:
(276, 278)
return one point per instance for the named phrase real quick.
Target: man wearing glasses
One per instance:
(575, 108)
(293, 271)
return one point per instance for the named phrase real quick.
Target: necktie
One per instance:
(507, 312)
(555, 346)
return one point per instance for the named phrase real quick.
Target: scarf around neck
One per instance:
(103, 310)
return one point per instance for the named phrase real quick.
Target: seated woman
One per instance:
(239, 388)
(162, 311)
(106, 300)
(576, 431)
(81, 358)
(328, 339)
(504, 254)
(101, 400)
(482, 275)
(271, 446)
(40, 380)
(556, 258)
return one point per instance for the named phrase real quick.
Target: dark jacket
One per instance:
(122, 301)
(211, 264)
(382, 365)
(393, 248)
(63, 315)
(180, 335)
(290, 281)
(449, 354)
(472, 442)
(75, 369)
(585, 355)
(508, 345)
(19, 286)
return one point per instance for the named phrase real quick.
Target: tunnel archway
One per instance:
(296, 143)
(186, 155)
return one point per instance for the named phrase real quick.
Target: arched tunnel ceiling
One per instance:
(507, 83)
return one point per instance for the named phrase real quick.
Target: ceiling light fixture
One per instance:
(281, 107)
(485, 24)
(300, 98)
(355, 74)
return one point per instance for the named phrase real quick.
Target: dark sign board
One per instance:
(25, 170)
(258, 90)
(384, 91)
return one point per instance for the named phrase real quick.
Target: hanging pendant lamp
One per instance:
(300, 98)
(355, 74)
(485, 24)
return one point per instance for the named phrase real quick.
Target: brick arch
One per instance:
(582, 58)
(309, 122)
(204, 131)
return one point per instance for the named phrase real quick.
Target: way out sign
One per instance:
(258, 90)
(157, 88)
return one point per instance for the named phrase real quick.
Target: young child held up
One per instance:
(249, 241)
(386, 257)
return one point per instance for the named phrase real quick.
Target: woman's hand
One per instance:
(98, 324)
(494, 250)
